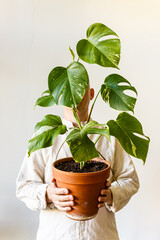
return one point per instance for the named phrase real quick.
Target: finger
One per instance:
(104, 192)
(63, 198)
(64, 204)
(100, 205)
(64, 209)
(53, 184)
(108, 184)
(102, 199)
(60, 191)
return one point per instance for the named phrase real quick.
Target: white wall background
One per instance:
(34, 38)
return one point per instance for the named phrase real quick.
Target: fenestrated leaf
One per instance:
(68, 83)
(46, 132)
(95, 49)
(45, 100)
(81, 147)
(128, 130)
(114, 93)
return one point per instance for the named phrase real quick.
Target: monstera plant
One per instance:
(67, 86)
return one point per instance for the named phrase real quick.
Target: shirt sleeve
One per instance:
(31, 188)
(125, 181)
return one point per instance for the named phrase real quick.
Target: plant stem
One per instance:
(89, 116)
(77, 119)
(95, 144)
(82, 164)
(97, 139)
(60, 149)
(101, 155)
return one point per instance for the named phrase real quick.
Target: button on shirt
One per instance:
(36, 174)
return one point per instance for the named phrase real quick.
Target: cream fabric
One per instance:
(36, 174)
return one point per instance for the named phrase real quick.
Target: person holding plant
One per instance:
(71, 136)
(58, 196)
(37, 188)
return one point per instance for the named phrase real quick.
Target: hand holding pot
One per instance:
(106, 196)
(59, 196)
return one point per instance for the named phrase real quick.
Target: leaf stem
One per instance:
(97, 139)
(95, 144)
(60, 149)
(89, 116)
(101, 155)
(77, 119)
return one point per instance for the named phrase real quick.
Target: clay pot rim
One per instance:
(81, 174)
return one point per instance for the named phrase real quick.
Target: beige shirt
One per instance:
(36, 173)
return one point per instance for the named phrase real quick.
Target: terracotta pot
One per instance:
(85, 187)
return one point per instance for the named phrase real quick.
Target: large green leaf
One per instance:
(113, 92)
(95, 49)
(68, 83)
(45, 100)
(82, 148)
(46, 132)
(128, 130)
